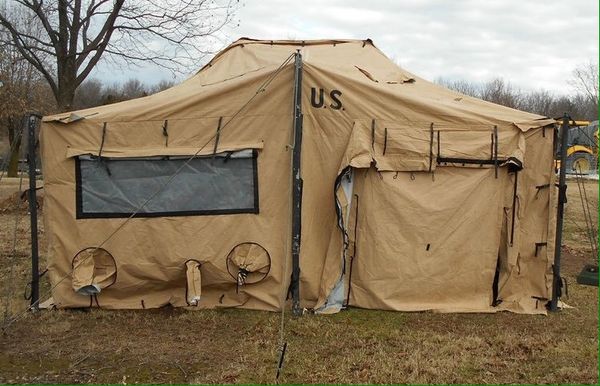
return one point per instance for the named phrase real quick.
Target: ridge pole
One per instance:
(297, 185)
(562, 198)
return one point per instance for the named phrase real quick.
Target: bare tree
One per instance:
(160, 86)
(88, 94)
(22, 89)
(461, 86)
(500, 92)
(93, 92)
(585, 81)
(133, 88)
(538, 102)
(496, 91)
(79, 33)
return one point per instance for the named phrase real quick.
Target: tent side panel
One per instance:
(150, 253)
(525, 283)
(427, 243)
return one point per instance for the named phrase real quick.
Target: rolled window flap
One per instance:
(194, 282)
(113, 152)
(93, 270)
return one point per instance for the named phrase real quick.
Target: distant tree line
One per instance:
(93, 92)
(581, 103)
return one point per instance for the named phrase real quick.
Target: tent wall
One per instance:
(151, 253)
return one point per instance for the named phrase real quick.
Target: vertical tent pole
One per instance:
(296, 185)
(562, 198)
(35, 272)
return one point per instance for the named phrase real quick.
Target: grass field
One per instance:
(354, 346)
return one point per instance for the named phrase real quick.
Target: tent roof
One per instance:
(357, 64)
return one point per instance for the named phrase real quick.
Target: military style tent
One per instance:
(313, 169)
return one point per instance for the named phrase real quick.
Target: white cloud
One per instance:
(531, 43)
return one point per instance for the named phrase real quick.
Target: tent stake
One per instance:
(297, 185)
(562, 198)
(35, 270)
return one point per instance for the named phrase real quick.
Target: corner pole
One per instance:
(562, 199)
(297, 185)
(35, 271)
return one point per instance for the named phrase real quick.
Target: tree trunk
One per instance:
(67, 84)
(13, 164)
(65, 97)
(14, 141)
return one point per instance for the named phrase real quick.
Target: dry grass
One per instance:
(575, 234)
(355, 346)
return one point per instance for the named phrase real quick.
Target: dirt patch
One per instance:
(19, 201)
(573, 260)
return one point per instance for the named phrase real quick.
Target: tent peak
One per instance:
(241, 42)
(300, 43)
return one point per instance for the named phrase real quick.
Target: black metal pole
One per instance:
(562, 198)
(297, 186)
(32, 120)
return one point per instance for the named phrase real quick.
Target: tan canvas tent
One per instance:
(390, 192)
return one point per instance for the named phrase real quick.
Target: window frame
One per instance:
(80, 214)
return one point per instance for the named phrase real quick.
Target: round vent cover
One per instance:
(93, 270)
(248, 263)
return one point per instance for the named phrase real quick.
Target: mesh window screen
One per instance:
(117, 187)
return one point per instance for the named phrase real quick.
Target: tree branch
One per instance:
(28, 53)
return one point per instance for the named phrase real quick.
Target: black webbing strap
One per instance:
(562, 285)
(439, 151)
(25, 193)
(27, 291)
(165, 132)
(430, 146)
(373, 133)
(353, 252)
(102, 141)
(100, 158)
(514, 209)
(385, 141)
(492, 146)
(217, 136)
(227, 156)
(495, 291)
(557, 279)
(540, 187)
(562, 192)
(465, 161)
(496, 151)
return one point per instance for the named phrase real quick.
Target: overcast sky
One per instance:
(531, 43)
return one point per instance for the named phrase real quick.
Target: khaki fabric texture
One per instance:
(428, 235)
